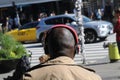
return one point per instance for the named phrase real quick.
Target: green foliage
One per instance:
(10, 48)
(3, 54)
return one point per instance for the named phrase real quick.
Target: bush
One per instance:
(10, 48)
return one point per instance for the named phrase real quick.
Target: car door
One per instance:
(27, 32)
(53, 21)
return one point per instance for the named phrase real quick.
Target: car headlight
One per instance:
(100, 26)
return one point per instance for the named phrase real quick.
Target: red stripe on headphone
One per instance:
(68, 27)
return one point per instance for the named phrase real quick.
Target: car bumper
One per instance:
(104, 33)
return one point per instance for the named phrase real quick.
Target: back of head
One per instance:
(61, 41)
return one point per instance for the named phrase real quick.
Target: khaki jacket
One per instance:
(61, 71)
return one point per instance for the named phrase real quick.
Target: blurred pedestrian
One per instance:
(7, 24)
(10, 23)
(99, 14)
(117, 27)
(30, 19)
(3, 21)
(42, 15)
(92, 16)
(52, 13)
(108, 12)
(66, 12)
(23, 18)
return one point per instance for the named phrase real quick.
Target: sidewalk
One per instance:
(108, 71)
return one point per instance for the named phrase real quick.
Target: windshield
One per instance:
(85, 19)
(29, 25)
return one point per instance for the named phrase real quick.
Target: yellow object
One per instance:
(12, 54)
(113, 51)
(23, 35)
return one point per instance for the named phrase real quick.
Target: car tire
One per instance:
(90, 36)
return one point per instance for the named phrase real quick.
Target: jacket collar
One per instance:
(61, 60)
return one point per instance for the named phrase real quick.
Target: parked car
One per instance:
(27, 32)
(92, 29)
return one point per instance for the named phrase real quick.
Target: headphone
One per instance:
(77, 47)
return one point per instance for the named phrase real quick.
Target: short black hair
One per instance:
(60, 41)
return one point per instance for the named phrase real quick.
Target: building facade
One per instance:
(34, 7)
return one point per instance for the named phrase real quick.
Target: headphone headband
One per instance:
(68, 27)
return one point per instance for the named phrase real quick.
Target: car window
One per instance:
(86, 19)
(59, 20)
(29, 25)
(54, 21)
(67, 20)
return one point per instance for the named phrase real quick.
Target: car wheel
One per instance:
(90, 36)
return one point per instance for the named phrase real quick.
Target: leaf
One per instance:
(8, 44)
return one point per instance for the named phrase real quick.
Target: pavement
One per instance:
(108, 71)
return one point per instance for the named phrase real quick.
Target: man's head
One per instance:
(61, 40)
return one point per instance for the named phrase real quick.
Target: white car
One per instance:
(92, 29)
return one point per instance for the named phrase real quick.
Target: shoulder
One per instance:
(62, 72)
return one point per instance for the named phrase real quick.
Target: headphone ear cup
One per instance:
(45, 43)
(46, 49)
